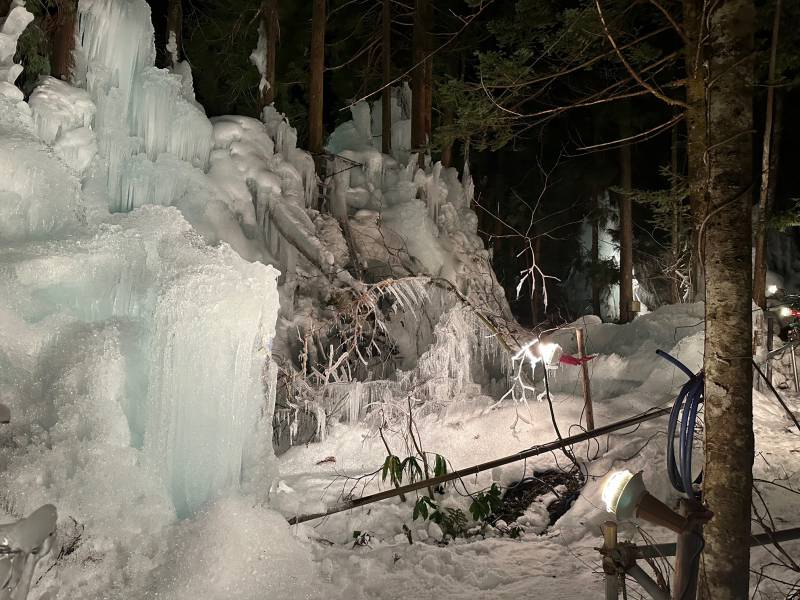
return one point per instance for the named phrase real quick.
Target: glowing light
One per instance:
(526, 353)
(772, 290)
(613, 488)
(546, 351)
(786, 311)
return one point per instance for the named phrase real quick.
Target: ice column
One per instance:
(210, 344)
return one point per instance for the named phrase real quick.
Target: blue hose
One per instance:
(688, 402)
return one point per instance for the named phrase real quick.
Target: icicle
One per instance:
(354, 402)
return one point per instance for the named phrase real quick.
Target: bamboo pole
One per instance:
(487, 466)
(760, 539)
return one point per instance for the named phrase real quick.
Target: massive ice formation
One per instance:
(134, 355)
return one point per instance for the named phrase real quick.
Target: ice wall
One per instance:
(140, 109)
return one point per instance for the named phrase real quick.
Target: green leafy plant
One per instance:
(392, 468)
(486, 503)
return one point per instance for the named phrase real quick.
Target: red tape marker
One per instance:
(568, 359)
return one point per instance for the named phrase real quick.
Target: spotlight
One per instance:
(772, 290)
(625, 495)
(786, 311)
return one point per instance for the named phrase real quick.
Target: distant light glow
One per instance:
(613, 488)
(786, 311)
(772, 289)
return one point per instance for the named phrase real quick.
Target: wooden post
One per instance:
(587, 393)
(609, 566)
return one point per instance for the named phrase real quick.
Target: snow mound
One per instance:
(238, 551)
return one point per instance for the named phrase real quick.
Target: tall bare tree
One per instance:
(726, 242)
(626, 226)
(175, 31)
(675, 217)
(62, 62)
(269, 28)
(421, 77)
(696, 129)
(317, 68)
(386, 50)
(767, 168)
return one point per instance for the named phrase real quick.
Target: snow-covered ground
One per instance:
(561, 561)
(140, 307)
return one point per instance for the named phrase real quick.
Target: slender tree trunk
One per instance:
(62, 62)
(421, 79)
(537, 299)
(269, 28)
(596, 286)
(447, 148)
(760, 261)
(777, 136)
(175, 28)
(315, 106)
(727, 242)
(626, 229)
(696, 132)
(386, 47)
(675, 229)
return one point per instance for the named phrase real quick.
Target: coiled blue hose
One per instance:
(688, 402)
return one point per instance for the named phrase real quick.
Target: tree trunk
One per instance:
(696, 131)
(421, 80)
(270, 29)
(175, 28)
(760, 261)
(596, 286)
(62, 62)
(675, 232)
(386, 47)
(727, 242)
(315, 106)
(626, 229)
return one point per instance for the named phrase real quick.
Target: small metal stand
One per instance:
(619, 558)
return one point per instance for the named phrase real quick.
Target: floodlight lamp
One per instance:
(772, 290)
(625, 495)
